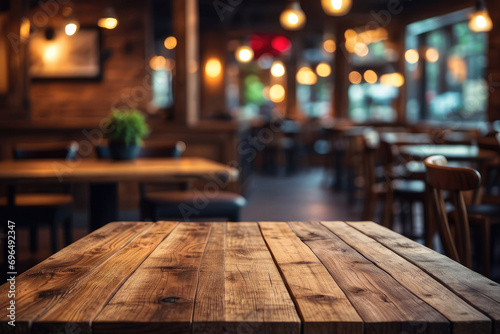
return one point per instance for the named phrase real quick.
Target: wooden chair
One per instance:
(391, 186)
(455, 180)
(35, 204)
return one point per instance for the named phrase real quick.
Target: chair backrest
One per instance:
(163, 151)
(46, 151)
(455, 180)
(66, 151)
(149, 151)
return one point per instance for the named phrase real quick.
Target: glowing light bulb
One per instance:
(107, 23)
(292, 17)
(244, 54)
(480, 21)
(306, 76)
(355, 77)
(277, 69)
(323, 70)
(71, 28)
(170, 42)
(213, 68)
(277, 93)
(412, 56)
(330, 46)
(336, 7)
(432, 55)
(370, 76)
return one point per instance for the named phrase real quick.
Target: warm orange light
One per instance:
(170, 42)
(25, 28)
(51, 54)
(392, 79)
(361, 49)
(306, 76)
(71, 27)
(277, 93)
(480, 21)
(292, 17)
(213, 68)
(412, 56)
(107, 22)
(330, 46)
(432, 55)
(336, 7)
(370, 76)
(323, 70)
(244, 54)
(157, 63)
(355, 77)
(278, 69)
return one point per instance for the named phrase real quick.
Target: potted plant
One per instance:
(125, 131)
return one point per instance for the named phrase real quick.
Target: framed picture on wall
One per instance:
(55, 55)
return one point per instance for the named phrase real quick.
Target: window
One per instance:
(445, 70)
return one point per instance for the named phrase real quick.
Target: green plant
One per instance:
(127, 126)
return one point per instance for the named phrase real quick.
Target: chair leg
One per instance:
(369, 209)
(68, 231)
(33, 238)
(54, 236)
(485, 236)
(388, 210)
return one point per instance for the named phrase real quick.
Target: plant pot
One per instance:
(122, 151)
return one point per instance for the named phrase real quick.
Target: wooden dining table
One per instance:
(103, 176)
(266, 277)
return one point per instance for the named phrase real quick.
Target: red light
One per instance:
(281, 43)
(257, 43)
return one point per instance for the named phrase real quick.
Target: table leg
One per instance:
(103, 204)
(429, 222)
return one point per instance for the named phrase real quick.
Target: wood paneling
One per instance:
(125, 81)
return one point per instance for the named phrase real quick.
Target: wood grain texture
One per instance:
(465, 319)
(42, 287)
(159, 296)
(380, 300)
(256, 297)
(323, 306)
(251, 278)
(477, 290)
(209, 311)
(90, 170)
(80, 303)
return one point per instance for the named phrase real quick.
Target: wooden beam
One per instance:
(187, 81)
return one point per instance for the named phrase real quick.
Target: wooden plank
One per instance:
(256, 297)
(90, 170)
(209, 309)
(323, 306)
(383, 304)
(159, 296)
(474, 288)
(43, 286)
(82, 301)
(464, 318)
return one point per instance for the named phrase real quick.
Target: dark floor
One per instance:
(306, 196)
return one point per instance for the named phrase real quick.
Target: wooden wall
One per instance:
(493, 76)
(125, 78)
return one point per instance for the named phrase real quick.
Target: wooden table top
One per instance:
(404, 138)
(470, 153)
(266, 277)
(92, 170)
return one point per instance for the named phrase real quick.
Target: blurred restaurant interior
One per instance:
(319, 110)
